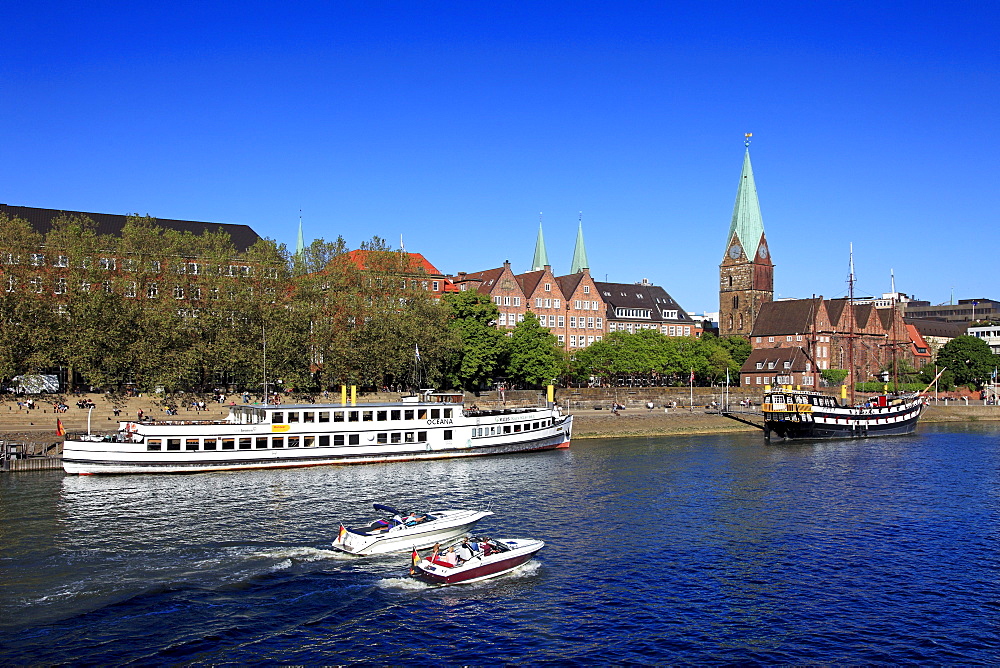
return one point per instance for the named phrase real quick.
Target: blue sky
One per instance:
(455, 125)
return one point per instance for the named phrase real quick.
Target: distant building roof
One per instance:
(640, 296)
(937, 328)
(243, 237)
(793, 316)
(774, 359)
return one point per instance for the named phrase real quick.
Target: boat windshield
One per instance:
(247, 415)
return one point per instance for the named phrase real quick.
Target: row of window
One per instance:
(669, 330)
(282, 442)
(130, 289)
(131, 264)
(509, 428)
(779, 380)
(293, 417)
(798, 337)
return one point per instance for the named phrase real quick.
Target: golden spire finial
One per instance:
(746, 139)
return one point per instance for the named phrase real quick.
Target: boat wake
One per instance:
(298, 554)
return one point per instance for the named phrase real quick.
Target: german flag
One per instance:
(414, 560)
(60, 430)
(341, 534)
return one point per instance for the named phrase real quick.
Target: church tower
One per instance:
(746, 273)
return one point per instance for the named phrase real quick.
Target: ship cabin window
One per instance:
(173, 444)
(447, 434)
(276, 442)
(382, 416)
(352, 416)
(367, 416)
(308, 441)
(245, 443)
(801, 399)
(309, 416)
(409, 437)
(153, 444)
(517, 428)
(408, 414)
(534, 425)
(396, 437)
(435, 413)
(338, 416)
(261, 442)
(382, 438)
(227, 444)
(278, 417)
(506, 429)
(422, 414)
(324, 441)
(324, 416)
(394, 415)
(448, 411)
(293, 441)
(338, 439)
(421, 437)
(353, 439)
(777, 398)
(293, 416)
(191, 444)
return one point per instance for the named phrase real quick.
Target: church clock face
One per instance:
(734, 251)
(763, 251)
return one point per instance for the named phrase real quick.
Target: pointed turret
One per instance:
(541, 259)
(747, 225)
(579, 252)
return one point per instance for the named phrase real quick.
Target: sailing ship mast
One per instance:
(850, 336)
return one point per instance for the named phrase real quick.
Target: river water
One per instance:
(658, 550)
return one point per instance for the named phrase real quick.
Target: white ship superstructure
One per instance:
(429, 426)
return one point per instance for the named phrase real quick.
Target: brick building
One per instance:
(630, 307)
(828, 332)
(503, 289)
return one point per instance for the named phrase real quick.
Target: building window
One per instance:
(106, 263)
(503, 319)
(437, 285)
(37, 259)
(758, 339)
(586, 289)
(548, 287)
(506, 301)
(556, 303)
(517, 301)
(562, 339)
(60, 288)
(152, 290)
(590, 323)
(548, 303)
(572, 321)
(576, 304)
(552, 321)
(562, 321)
(572, 340)
(770, 339)
(61, 261)
(498, 301)
(178, 292)
(538, 302)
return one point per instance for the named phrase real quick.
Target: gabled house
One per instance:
(779, 366)
(585, 310)
(544, 298)
(502, 287)
(630, 307)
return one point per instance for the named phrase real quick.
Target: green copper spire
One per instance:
(579, 252)
(747, 225)
(300, 245)
(541, 257)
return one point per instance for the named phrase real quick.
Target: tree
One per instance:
(969, 358)
(834, 376)
(473, 317)
(534, 357)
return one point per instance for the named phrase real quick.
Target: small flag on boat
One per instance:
(414, 560)
(60, 430)
(341, 534)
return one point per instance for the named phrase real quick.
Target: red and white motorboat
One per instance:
(489, 558)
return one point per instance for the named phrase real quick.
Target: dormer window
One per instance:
(788, 365)
(548, 287)
(586, 289)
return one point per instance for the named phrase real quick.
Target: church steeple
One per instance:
(541, 259)
(300, 245)
(747, 272)
(747, 225)
(579, 252)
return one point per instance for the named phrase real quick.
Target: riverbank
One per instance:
(38, 426)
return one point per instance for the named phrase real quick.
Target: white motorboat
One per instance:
(487, 558)
(406, 531)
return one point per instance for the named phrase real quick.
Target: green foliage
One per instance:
(834, 376)
(926, 377)
(534, 356)
(881, 387)
(473, 317)
(970, 360)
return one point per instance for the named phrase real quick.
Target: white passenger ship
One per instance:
(430, 426)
